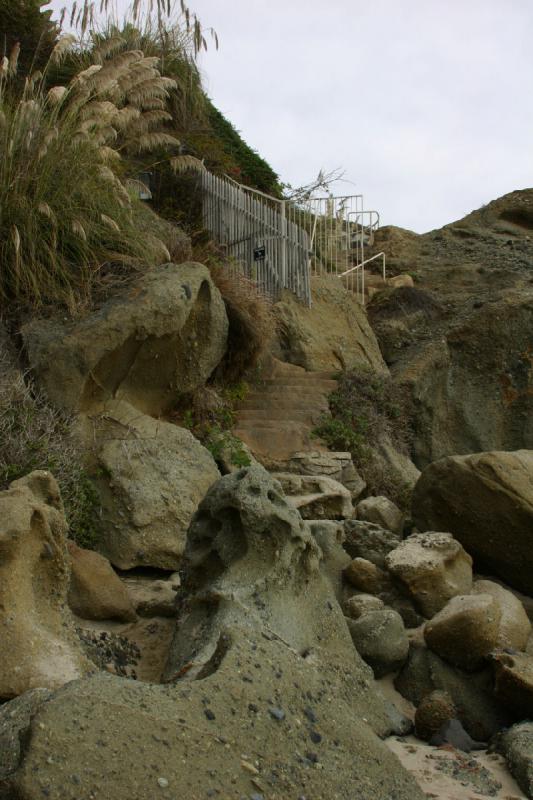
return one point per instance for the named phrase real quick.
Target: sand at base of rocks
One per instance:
(445, 773)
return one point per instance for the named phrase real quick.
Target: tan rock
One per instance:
(366, 576)
(465, 631)
(151, 479)
(161, 338)
(96, 591)
(316, 496)
(333, 334)
(486, 501)
(515, 627)
(152, 598)
(39, 644)
(432, 567)
(381, 511)
(400, 280)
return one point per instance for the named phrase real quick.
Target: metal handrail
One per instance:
(361, 266)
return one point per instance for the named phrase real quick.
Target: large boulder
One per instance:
(96, 591)
(466, 630)
(39, 644)
(432, 568)
(151, 476)
(334, 334)
(159, 339)
(266, 695)
(486, 501)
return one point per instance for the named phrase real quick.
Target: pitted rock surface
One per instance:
(265, 695)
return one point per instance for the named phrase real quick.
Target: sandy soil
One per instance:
(444, 772)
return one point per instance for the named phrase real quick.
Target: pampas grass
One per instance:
(64, 210)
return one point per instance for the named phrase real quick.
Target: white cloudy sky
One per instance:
(426, 104)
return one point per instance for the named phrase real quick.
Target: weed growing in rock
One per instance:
(366, 410)
(211, 417)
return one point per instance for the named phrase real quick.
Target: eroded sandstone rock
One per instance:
(159, 339)
(432, 568)
(266, 693)
(39, 645)
(515, 627)
(516, 744)
(370, 541)
(316, 496)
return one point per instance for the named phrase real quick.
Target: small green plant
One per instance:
(366, 409)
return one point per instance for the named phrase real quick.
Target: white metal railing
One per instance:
(357, 273)
(280, 243)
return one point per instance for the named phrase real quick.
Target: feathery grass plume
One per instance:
(65, 211)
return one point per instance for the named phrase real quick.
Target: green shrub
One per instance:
(366, 409)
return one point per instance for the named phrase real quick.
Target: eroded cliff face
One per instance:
(462, 340)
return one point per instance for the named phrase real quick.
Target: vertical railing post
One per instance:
(283, 245)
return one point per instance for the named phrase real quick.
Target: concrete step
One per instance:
(280, 414)
(283, 404)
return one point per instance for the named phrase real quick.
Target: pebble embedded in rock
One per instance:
(277, 713)
(162, 782)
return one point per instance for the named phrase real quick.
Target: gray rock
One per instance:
(472, 693)
(259, 629)
(316, 496)
(452, 732)
(329, 535)
(15, 718)
(516, 745)
(336, 465)
(380, 638)
(158, 340)
(360, 604)
(368, 540)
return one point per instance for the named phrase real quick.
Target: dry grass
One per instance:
(34, 435)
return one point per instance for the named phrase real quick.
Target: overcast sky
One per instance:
(427, 105)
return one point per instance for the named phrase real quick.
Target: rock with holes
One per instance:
(370, 541)
(381, 511)
(268, 686)
(96, 591)
(151, 478)
(431, 568)
(39, 645)
(316, 496)
(162, 337)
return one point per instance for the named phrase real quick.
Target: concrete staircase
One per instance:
(278, 416)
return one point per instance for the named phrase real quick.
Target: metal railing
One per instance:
(279, 244)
